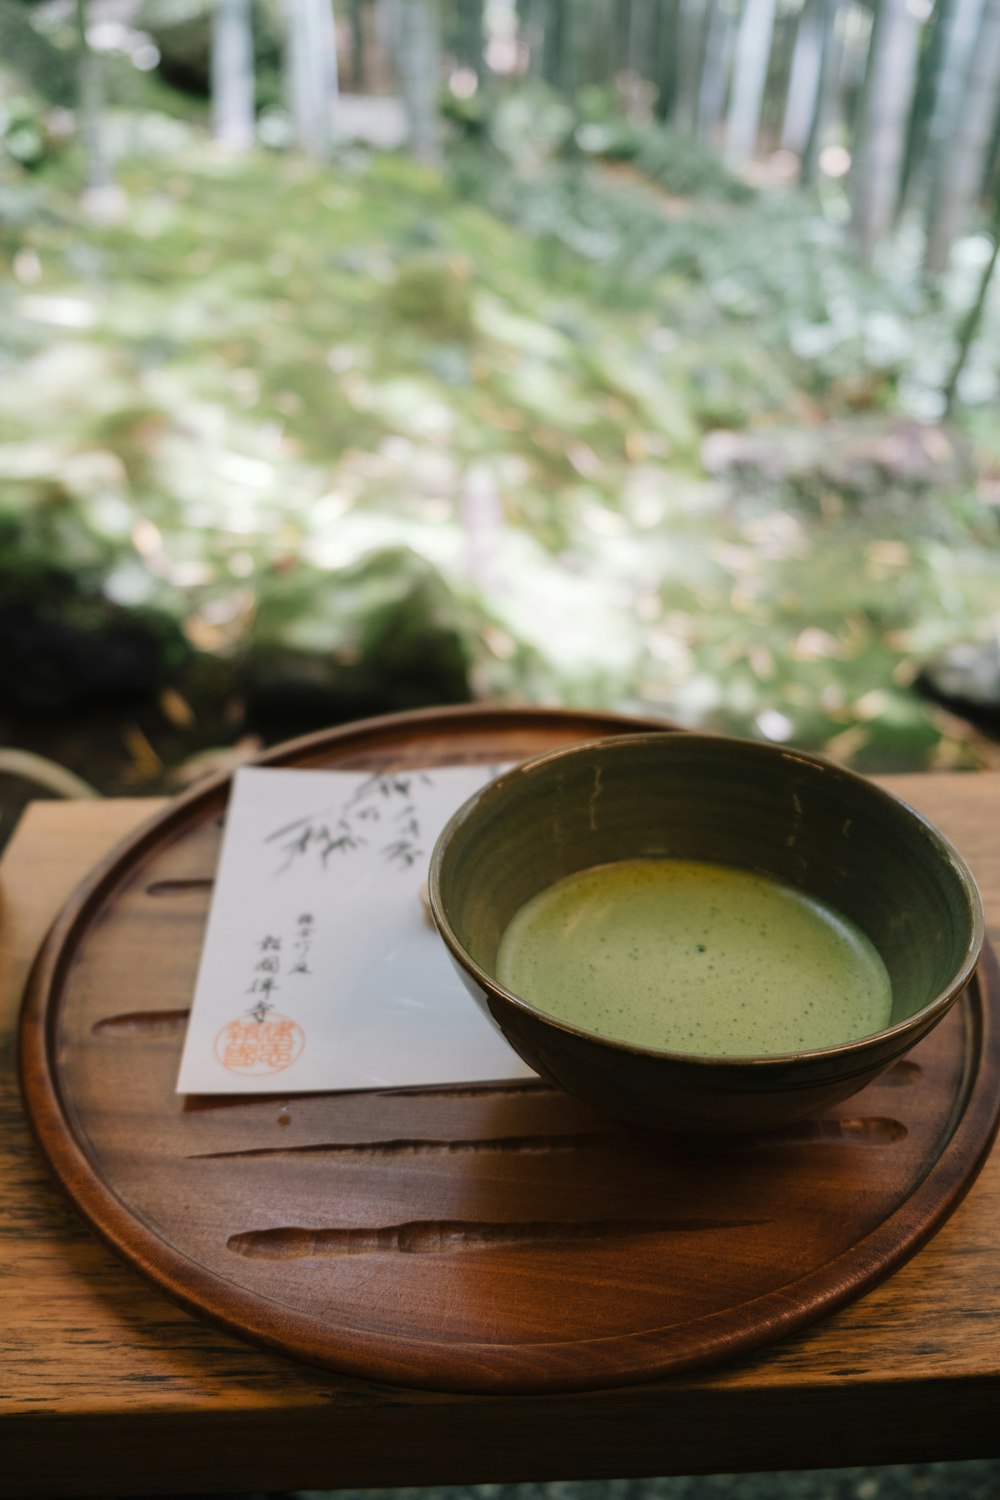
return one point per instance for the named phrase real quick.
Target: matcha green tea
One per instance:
(694, 957)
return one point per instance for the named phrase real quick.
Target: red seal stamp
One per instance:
(261, 1041)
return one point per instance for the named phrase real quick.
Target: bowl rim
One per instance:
(920, 1021)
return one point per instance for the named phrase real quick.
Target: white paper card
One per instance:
(320, 968)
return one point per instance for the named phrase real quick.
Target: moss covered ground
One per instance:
(289, 442)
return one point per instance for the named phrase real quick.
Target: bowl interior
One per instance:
(798, 818)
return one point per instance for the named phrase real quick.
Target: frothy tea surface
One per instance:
(694, 957)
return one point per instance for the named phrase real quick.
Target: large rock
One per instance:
(66, 655)
(966, 678)
(433, 294)
(383, 634)
(66, 644)
(182, 31)
(857, 459)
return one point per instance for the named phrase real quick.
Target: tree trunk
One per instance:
(690, 48)
(667, 47)
(232, 75)
(937, 105)
(380, 59)
(930, 78)
(881, 132)
(311, 71)
(356, 17)
(783, 38)
(90, 97)
(328, 70)
(601, 42)
(991, 177)
(970, 325)
(753, 50)
(641, 39)
(803, 79)
(418, 61)
(471, 37)
(720, 42)
(573, 63)
(554, 41)
(531, 33)
(830, 48)
(623, 31)
(965, 155)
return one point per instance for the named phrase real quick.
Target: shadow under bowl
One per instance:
(793, 816)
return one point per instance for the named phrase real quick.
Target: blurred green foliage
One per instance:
(359, 436)
(33, 63)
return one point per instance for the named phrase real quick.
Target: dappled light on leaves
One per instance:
(585, 419)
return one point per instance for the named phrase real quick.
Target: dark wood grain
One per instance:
(108, 1387)
(477, 1239)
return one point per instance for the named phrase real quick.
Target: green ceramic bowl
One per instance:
(797, 817)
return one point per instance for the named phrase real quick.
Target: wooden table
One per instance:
(106, 1388)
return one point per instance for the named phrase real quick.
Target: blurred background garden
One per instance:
(639, 354)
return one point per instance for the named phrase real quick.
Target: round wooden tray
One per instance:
(481, 1238)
